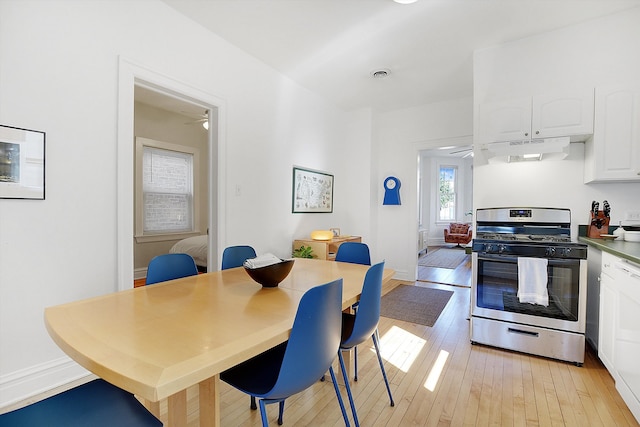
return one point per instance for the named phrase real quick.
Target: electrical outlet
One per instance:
(632, 216)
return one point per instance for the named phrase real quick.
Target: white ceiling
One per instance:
(332, 46)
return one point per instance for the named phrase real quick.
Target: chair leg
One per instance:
(280, 412)
(348, 387)
(384, 374)
(263, 413)
(339, 396)
(355, 363)
(253, 403)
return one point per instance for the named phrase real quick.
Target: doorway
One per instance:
(160, 122)
(171, 91)
(434, 215)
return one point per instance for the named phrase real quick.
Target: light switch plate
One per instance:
(632, 216)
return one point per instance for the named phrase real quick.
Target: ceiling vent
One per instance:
(380, 74)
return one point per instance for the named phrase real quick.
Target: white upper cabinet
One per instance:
(613, 154)
(563, 115)
(505, 120)
(545, 116)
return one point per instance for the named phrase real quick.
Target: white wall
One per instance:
(398, 138)
(59, 74)
(595, 53)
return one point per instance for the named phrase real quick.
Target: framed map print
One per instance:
(312, 191)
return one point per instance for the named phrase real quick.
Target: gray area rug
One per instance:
(443, 258)
(415, 304)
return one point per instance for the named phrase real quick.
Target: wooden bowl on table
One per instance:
(271, 275)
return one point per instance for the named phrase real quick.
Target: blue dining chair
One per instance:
(96, 404)
(232, 257)
(170, 266)
(235, 256)
(296, 364)
(354, 252)
(358, 327)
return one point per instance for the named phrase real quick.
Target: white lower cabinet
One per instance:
(608, 300)
(619, 329)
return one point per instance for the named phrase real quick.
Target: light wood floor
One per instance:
(477, 385)
(460, 276)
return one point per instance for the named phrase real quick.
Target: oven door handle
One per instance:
(514, 259)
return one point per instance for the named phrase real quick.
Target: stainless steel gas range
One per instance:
(529, 283)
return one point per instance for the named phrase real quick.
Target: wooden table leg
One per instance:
(209, 402)
(177, 409)
(347, 356)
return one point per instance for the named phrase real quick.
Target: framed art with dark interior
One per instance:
(22, 153)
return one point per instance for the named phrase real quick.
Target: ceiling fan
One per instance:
(468, 150)
(203, 118)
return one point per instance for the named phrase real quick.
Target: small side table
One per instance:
(325, 249)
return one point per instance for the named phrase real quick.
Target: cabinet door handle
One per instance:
(537, 132)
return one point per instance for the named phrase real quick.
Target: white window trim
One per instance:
(139, 220)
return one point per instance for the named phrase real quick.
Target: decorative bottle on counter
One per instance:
(619, 231)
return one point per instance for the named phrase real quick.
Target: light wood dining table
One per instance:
(156, 341)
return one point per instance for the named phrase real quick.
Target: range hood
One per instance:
(528, 150)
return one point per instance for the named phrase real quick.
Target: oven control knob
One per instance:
(567, 252)
(551, 251)
(501, 248)
(487, 248)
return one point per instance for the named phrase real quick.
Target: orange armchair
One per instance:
(458, 233)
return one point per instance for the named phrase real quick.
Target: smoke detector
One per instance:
(381, 73)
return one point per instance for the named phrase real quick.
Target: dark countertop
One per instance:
(621, 249)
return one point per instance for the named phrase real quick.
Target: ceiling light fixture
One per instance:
(381, 73)
(405, 1)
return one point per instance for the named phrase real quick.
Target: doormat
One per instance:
(443, 258)
(415, 304)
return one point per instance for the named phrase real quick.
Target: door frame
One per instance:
(130, 75)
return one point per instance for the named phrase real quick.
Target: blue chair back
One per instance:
(314, 340)
(354, 252)
(235, 256)
(368, 314)
(96, 404)
(170, 266)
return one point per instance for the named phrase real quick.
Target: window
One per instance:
(165, 203)
(447, 193)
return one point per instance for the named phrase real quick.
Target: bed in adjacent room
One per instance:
(197, 247)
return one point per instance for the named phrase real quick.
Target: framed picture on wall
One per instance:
(21, 163)
(312, 191)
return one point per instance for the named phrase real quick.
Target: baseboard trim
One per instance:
(33, 384)
(139, 273)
